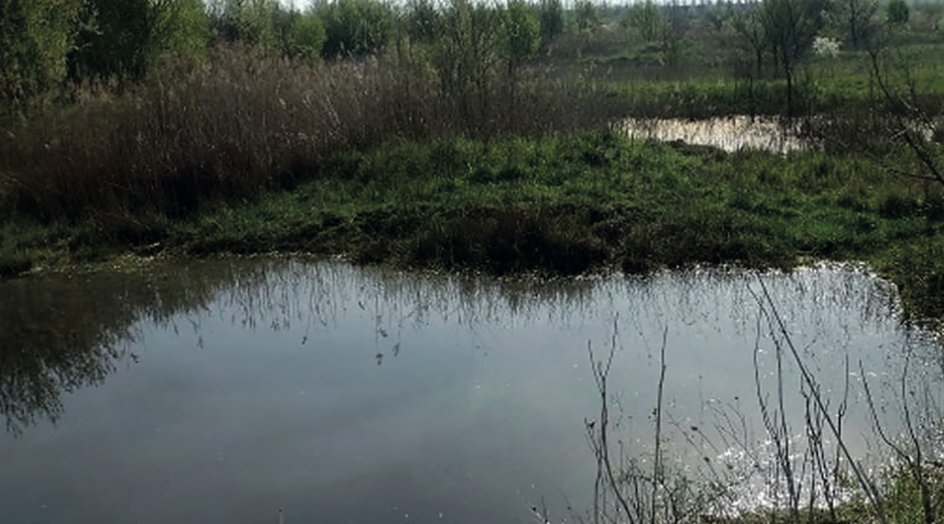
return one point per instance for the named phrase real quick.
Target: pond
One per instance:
(729, 134)
(220, 391)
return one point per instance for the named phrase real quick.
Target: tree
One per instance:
(749, 26)
(521, 33)
(35, 39)
(356, 27)
(122, 38)
(897, 12)
(249, 22)
(675, 25)
(521, 38)
(551, 13)
(855, 18)
(423, 21)
(716, 17)
(646, 19)
(789, 27)
(466, 59)
(305, 36)
(585, 14)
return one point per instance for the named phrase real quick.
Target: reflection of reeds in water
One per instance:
(803, 469)
(729, 134)
(60, 334)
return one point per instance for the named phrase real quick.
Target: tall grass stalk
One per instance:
(809, 483)
(240, 124)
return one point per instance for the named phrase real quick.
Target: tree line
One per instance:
(45, 43)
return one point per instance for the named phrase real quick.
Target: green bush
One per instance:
(305, 37)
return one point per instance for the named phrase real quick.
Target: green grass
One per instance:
(560, 204)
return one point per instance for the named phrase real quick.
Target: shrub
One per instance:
(305, 38)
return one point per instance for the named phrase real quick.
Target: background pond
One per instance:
(220, 391)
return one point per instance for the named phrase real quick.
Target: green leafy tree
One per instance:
(253, 23)
(521, 38)
(897, 12)
(35, 39)
(716, 17)
(553, 24)
(521, 33)
(122, 38)
(304, 37)
(356, 27)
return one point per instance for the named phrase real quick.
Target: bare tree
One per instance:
(856, 18)
(789, 27)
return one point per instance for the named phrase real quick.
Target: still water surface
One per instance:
(220, 391)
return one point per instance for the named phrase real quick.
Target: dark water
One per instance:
(220, 391)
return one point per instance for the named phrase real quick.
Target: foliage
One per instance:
(553, 24)
(646, 19)
(521, 32)
(467, 56)
(356, 27)
(35, 38)
(897, 12)
(790, 28)
(305, 36)
(123, 38)
(248, 22)
(750, 30)
(856, 19)
(586, 15)
(423, 21)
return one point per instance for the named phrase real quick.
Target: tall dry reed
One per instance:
(238, 124)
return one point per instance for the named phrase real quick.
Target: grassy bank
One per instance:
(559, 204)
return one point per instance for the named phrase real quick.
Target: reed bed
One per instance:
(238, 124)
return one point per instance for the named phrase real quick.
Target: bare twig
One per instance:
(870, 489)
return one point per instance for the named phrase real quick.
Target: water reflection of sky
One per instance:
(364, 395)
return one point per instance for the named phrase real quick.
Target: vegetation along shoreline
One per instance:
(471, 136)
(485, 136)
